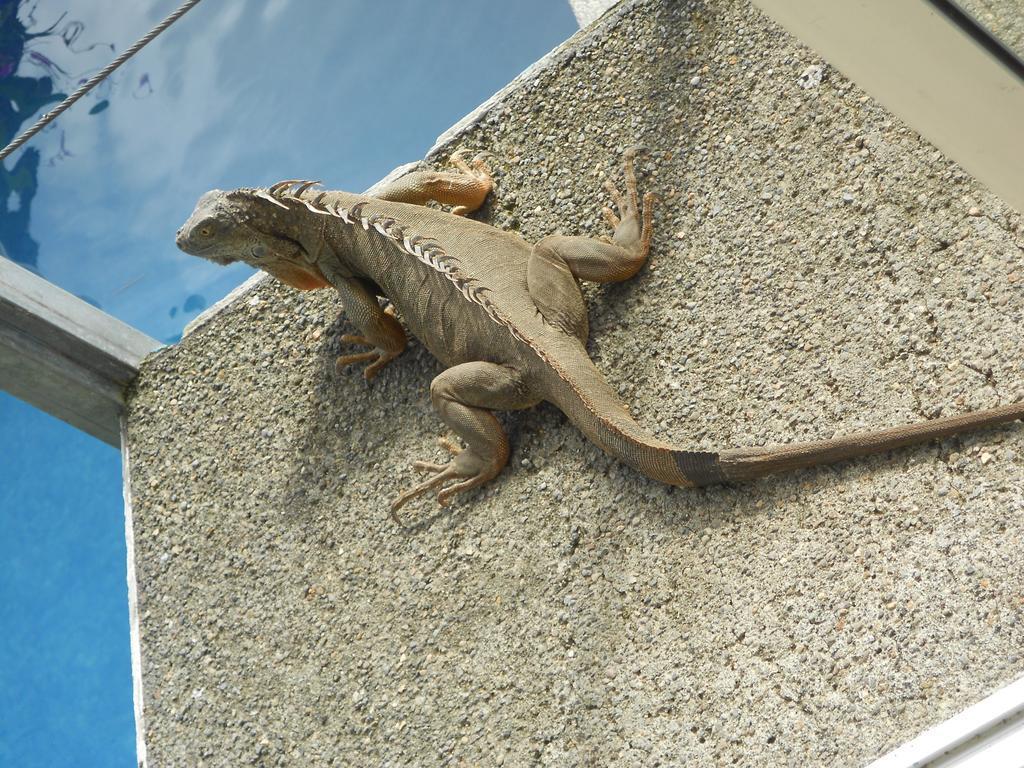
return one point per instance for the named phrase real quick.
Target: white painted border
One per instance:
(982, 724)
(135, 639)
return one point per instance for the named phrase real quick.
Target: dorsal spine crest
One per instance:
(423, 249)
(427, 251)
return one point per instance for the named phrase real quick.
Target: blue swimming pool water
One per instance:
(65, 674)
(239, 93)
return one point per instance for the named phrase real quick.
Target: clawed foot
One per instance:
(380, 357)
(630, 212)
(479, 170)
(466, 470)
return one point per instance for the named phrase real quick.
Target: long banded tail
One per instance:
(591, 404)
(748, 463)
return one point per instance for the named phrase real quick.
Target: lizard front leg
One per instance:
(464, 397)
(466, 190)
(602, 261)
(378, 328)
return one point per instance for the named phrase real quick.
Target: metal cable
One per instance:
(96, 79)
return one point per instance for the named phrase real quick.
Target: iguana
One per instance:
(506, 318)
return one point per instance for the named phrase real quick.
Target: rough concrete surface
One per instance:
(818, 268)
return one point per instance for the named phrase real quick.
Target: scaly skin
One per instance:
(505, 317)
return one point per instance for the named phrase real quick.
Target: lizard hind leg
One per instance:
(464, 397)
(555, 291)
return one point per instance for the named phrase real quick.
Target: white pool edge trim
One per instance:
(135, 639)
(983, 722)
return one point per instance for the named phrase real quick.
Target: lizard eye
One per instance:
(206, 228)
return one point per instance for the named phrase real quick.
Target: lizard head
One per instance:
(226, 227)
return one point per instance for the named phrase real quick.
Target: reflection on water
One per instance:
(20, 99)
(28, 72)
(41, 61)
(193, 304)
